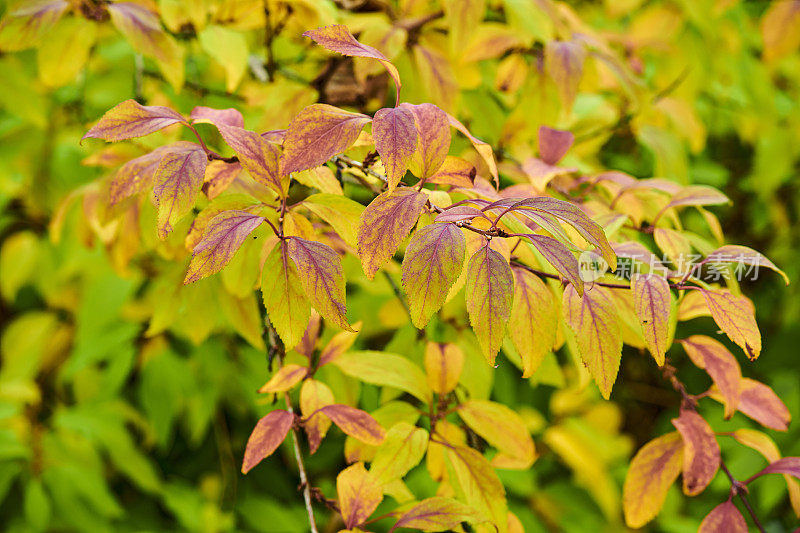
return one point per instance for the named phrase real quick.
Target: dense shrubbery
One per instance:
(150, 287)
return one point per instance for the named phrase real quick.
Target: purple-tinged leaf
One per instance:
(177, 182)
(135, 176)
(460, 213)
(432, 263)
(721, 365)
(223, 236)
(437, 514)
(454, 171)
(489, 293)
(24, 26)
(483, 148)
(735, 315)
(732, 253)
(553, 144)
(266, 437)
(433, 138)
(724, 518)
(355, 422)
(219, 176)
(652, 299)
(287, 307)
(209, 115)
(395, 134)
(258, 156)
(560, 257)
(789, 466)
(701, 455)
(131, 119)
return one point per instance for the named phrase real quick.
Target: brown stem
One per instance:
(740, 489)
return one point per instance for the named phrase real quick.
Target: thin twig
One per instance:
(740, 489)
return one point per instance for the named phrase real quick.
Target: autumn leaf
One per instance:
(320, 271)
(431, 265)
(779, 29)
(285, 378)
(454, 171)
(258, 156)
(735, 315)
(652, 298)
(359, 494)
(503, 428)
(721, 365)
(489, 294)
(653, 469)
(227, 47)
(593, 320)
(337, 38)
(219, 176)
(355, 422)
(131, 119)
(395, 133)
(724, 518)
(25, 25)
(315, 395)
(387, 369)
(437, 514)
(287, 307)
(223, 236)
(135, 175)
(316, 134)
(789, 466)
(443, 366)
(176, 183)
(563, 62)
(731, 253)
(385, 222)
(342, 213)
(533, 323)
(560, 257)
(477, 484)
(208, 115)
(433, 139)
(483, 148)
(403, 449)
(462, 17)
(266, 437)
(760, 403)
(63, 55)
(339, 344)
(553, 144)
(697, 195)
(701, 455)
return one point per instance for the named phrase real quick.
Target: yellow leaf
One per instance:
(313, 396)
(402, 450)
(65, 51)
(503, 428)
(478, 485)
(285, 378)
(534, 320)
(389, 370)
(24, 26)
(443, 365)
(287, 307)
(653, 469)
(359, 494)
(490, 294)
(653, 305)
(735, 315)
(229, 48)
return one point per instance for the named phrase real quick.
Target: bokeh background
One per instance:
(126, 399)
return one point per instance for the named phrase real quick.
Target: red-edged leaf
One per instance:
(483, 148)
(432, 263)
(563, 62)
(553, 144)
(320, 269)
(490, 294)
(653, 470)
(593, 319)
(385, 223)
(571, 214)
(437, 514)
(176, 183)
(652, 299)
(24, 26)
(219, 176)
(789, 466)
(316, 134)
(460, 213)
(258, 156)
(209, 115)
(359, 494)
(701, 454)
(735, 315)
(266, 437)
(454, 171)
(223, 236)
(720, 364)
(732, 253)
(355, 422)
(135, 175)
(337, 38)
(395, 134)
(433, 139)
(131, 119)
(534, 320)
(724, 518)
(560, 257)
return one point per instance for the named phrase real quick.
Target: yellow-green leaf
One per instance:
(533, 323)
(389, 370)
(443, 365)
(402, 450)
(490, 294)
(503, 428)
(359, 494)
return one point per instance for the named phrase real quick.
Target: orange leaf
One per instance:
(355, 422)
(316, 134)
(593, 320)
(443, 365)
(431, 265)
(135, 175)
(339, 343)
(359, 494)
(779, 29)
(131, 119)
(285, 378)
(735, 315)
(490, 294)
(266, 437)
(337, 38)
(720, 364)
(395, 134)
(724, 518)
(701, 454)
(385, 223)
(454, 171)
(653, 469)
(652, 298)
(534, 320)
